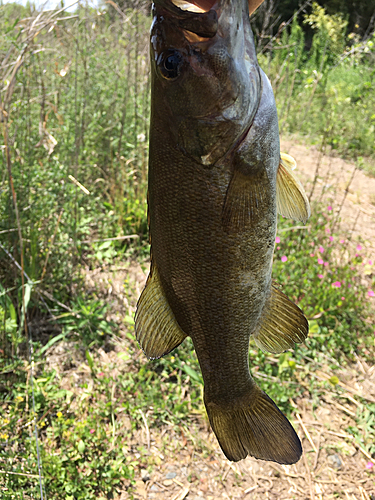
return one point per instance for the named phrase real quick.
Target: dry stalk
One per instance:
(51, 245)
(285, 25)
(320, 157)
(19, 473)
(344, 197)
(319, 76)
(15, 206)
(317, 451)
(147, 429)
(306, 432)
(326, 180)
(289, 98)
(312, 495)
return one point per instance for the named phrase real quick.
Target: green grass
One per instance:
(86, 428)
(86, 84)
(326, 93)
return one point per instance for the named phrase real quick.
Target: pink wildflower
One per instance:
(370, 293)
(370, 262)
(369, 465)
(320, 261)
(92, 431)
(359, 248)
(321, 249)
(349, 285)
(101, 374)
(284, 258)
(326, 264)
(329, 208)
(311, 255)
(277, 239)
(331, 238)
(336, 284)
(342, 241)
(320, 276)
(342, 298)
(278, 248)
(328, 230)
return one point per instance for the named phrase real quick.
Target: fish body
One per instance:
(214, 165)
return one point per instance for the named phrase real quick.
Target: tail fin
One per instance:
(254, 426)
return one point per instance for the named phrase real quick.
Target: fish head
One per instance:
(205, 76)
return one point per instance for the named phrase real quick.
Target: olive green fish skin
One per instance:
(216, 281)
(213, 137)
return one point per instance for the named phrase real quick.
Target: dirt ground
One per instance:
(333, 466)
(322, 473)
(348, 190)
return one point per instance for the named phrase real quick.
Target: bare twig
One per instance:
(320, 157)
(182, 494)
(312, 496)
(303, 6)
(317, 451)
(147, 429)
(19, 473)
(306, 431)
(14, 261)
(116, 238)
(51, 245)
(344, 197)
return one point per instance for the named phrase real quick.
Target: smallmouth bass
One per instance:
(216, 182)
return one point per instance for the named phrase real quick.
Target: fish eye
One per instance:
(170, 64)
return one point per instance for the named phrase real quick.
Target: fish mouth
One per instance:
(197, 6)
(198, 18)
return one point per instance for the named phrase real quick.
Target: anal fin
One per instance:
(156, 328)
(291, 199)
(282, 324)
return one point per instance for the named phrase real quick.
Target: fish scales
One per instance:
(213, 196)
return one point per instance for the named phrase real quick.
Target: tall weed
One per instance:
(326, 90)
(75, 105)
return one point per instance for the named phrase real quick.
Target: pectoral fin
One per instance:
(244, 200)
(156, 328)
(291, 199)
(282, 324)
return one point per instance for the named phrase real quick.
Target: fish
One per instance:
(216, 182)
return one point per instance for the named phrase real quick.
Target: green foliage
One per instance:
(87, 319)
(364, 433)
(271, 15)
(78, 457)
(85, 431)
(332, 30)
(325, 93)
(77, 124)
(323, 275)
(77, 121)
